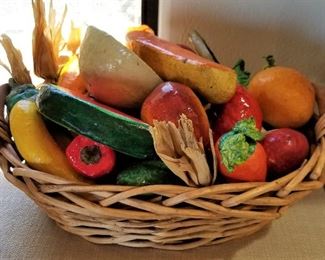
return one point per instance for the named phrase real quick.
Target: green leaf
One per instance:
(248, 128)
(145, 173)
(239, 144)
(235, 150)
(242, 75)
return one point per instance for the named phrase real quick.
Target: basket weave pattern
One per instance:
(162, 216)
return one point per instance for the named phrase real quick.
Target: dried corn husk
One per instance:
(181, 152)
(18, 71)
(71, 47)
(73, 43)
(47, 41)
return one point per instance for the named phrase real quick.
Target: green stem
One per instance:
(270, 61)
(242, 74)
(90, 154)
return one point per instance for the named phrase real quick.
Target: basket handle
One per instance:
(4, 91)
(320, 98)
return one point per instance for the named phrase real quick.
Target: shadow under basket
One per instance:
(168, 217)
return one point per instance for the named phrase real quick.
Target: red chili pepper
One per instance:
(241, 106)
(89, 157)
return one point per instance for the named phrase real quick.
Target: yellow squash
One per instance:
(35, 143)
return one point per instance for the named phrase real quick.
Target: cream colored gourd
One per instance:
(114, 75)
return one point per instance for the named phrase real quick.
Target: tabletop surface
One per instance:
(27, 233)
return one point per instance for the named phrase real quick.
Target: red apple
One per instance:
(286, 149)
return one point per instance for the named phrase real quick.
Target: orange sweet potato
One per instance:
(215, 82)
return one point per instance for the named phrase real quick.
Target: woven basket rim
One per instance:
(243, 207)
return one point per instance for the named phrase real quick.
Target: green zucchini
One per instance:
(121, 133)
(17, 93)
(145, 173)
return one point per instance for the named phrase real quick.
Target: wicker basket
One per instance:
(175, 217)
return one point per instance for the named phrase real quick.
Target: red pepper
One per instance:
(90, 158)
(241, 106)
(240, 157)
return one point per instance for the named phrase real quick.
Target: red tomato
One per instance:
(253, 169)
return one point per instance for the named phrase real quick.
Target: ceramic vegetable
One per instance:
(240, 156)
(215, 82)
(114, 75)
(286, 149)
(123, 133)
(241, 106)
(169, 100)
(89, 157)
(35, 144)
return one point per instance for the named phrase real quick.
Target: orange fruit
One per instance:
(285, 96)
(70, 77)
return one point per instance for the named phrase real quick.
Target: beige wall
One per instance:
(292, 30)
